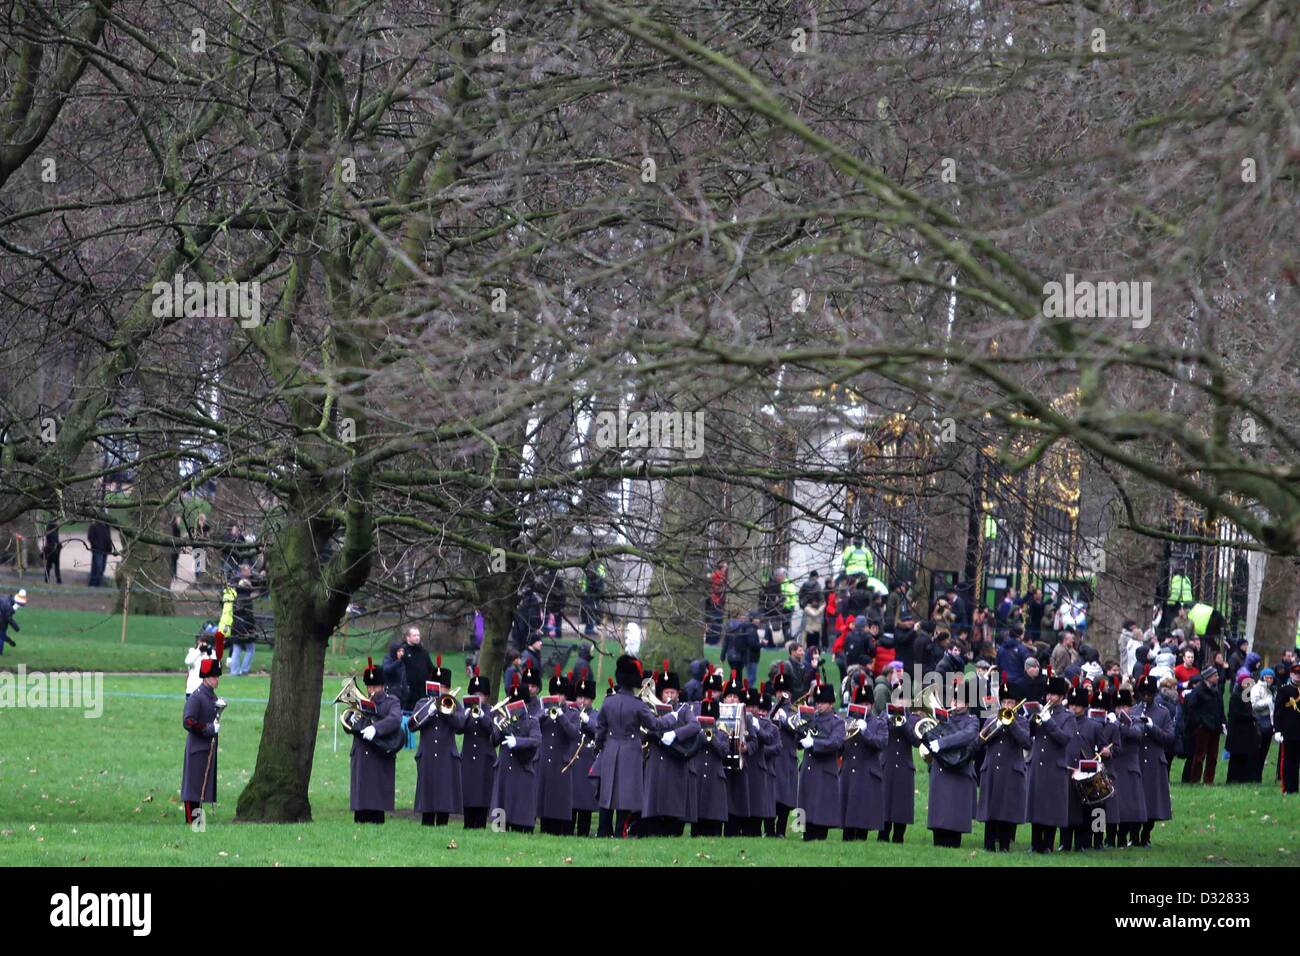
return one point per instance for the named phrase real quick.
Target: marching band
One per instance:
(1086, 763)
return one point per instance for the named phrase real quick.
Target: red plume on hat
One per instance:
(665, 667)
(476, 670)
(221, 645)
(733, 675)
(439, 662)
(639, 669)
(557, 671)
(514, 681)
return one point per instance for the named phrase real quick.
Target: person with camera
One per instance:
(196, 655)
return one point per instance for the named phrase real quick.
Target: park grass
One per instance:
(104, 792)
(53, 639)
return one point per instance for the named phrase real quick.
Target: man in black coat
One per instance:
(1204, 708)
(1286, 722)
(100, 538)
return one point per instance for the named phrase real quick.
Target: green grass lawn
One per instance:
(105, 791)
(90, 640)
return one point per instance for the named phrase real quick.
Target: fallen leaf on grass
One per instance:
(453, 845)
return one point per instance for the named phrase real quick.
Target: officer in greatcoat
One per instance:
(1128, 807)
(738, 780)
(896, 761)
(438, 784)
(478, 756)
(1153, 755)
(786, 765)
(1085, 745)
(952, 786)
(374, 767)
(514, 791)
(762, 774)
(559, 725)
(1052, 729)
(1004, 795)
(619, 726)
(707, 810)
(664, 811)
(582, 691)
(202, 722)
(862, 778)
(822, 741)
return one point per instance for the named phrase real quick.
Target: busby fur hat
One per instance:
(372, 676)
(667, 680)
(1004, 689)
(584, 687)
(211, 666)
(518, 689)
(824, 694)
(780, 680)
(1056, 685)
(863, 689)
(713, 680)
(1079, 697)
(627, 672)
(1124, 698)
(532, 676)
(558, 685)
(733, 688)
(479, 684)
(709, 707)
(441, 674)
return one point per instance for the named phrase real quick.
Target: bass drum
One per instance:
(1094, 788)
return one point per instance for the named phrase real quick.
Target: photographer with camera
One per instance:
(196, 655)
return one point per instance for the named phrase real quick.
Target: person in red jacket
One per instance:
(1185, 671)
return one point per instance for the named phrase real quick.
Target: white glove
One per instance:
(807, 742)
(668, 738)
(780, 717)
(1149, 722)
(510, 741)
(1225, 729)
(925, 750)
(753, 722)
(586, 717)
(861, 725)
(1111, 718)
(216, 727)
(1277, 737)
(369, 732)
(221, 703)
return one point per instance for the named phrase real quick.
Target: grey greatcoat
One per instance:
(618, 735)
(900, 771)
(762, 781)
(200, 742)
(862, 778)
(786, 765)
(478, 760)
(582, 784)
(515, 786)
(739, 782)
(374, 773)
(819, 775)
(437, 761)
(952, 792)
(559, 741)
(1129, 804)
(1154, 760)
(707, 795)
(1004, 792)
(1049, 770)
(667, 773)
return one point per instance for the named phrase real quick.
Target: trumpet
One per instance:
(1005, 718)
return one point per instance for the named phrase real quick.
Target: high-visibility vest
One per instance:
(856, 560)
(1199, 615)
(791, 594)
(1180, 590)
(227, 620)
(990, 527)
(600, 573)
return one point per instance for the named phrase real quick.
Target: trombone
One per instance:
(1006, 717)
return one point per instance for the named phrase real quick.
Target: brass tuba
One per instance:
(929, 704)
(352, 696)
(447, 702)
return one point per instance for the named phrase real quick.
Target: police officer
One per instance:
(202, 722)
(862, 778)
(559, 725)
(437, 761)
(822, 742)
(478, 757)
(856, 560)
(374, 764)
(1003, 797)
(1052, 729)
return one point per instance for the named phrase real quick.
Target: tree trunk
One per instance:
(1279, 605)
(278, 791)
(498, 595)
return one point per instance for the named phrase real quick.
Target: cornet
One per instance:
(447, 702)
